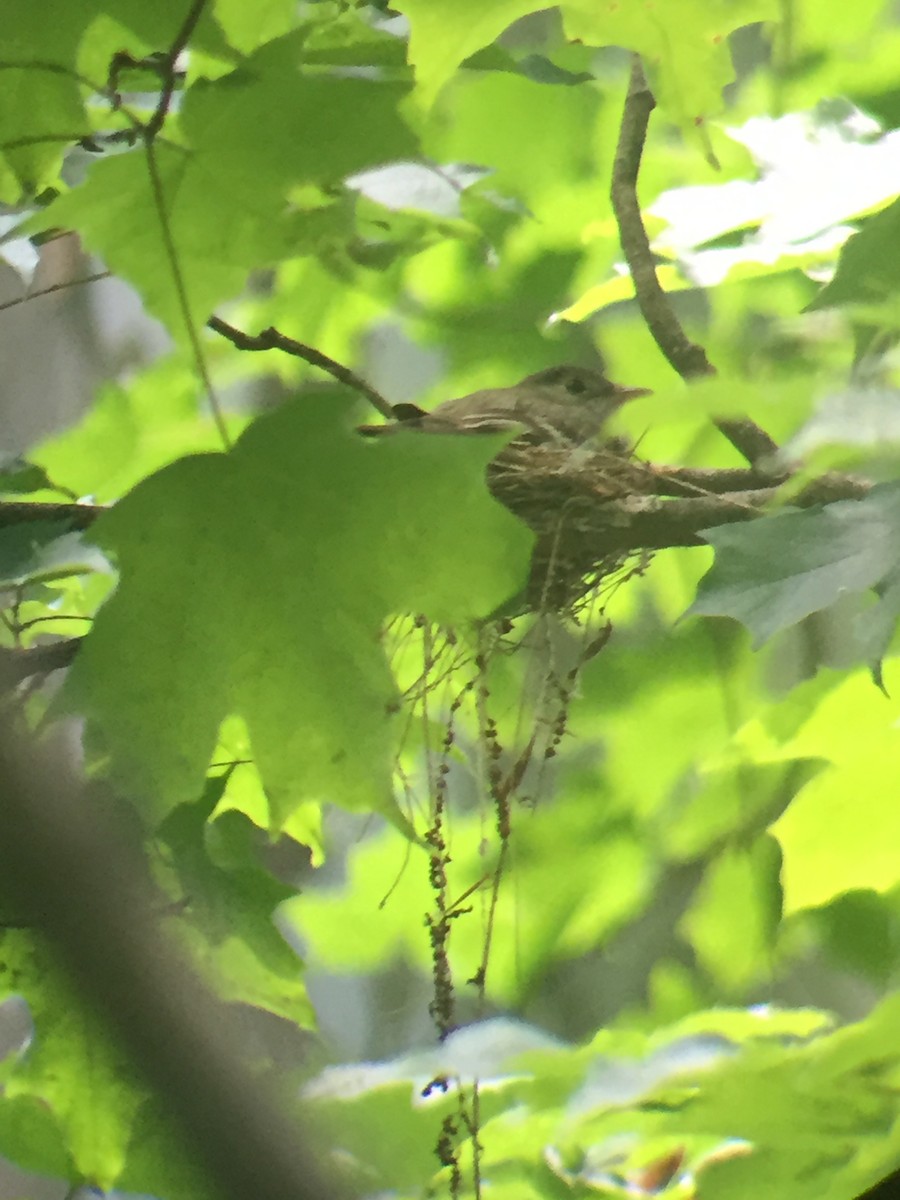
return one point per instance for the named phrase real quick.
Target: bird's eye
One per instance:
(575, 386)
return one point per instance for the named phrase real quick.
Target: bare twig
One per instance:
(271, 339)
(164, 66)
(655, 523)
(54, 287)
(181, 292)
(685, 356)
(166, 69)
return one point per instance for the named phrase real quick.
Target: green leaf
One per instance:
(298, 545)
(733, 921)
(773, 572)
(20, 477)
(875, 628)
(831, 847)
(160, 1164)
(867, 271)
(44, 550)
(230, 901)
(817, 1117)
(861, 933)
(131, 431)
(71, 1081)
(719, 805)
(443, 33)
(683, 44)
(41, 110)
(222, 200)
(247, 26)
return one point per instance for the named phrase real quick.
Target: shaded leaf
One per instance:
(229, 901)
(43, 550)
(771, 573)
(721, 805)
(443, 34)
(733, 921)
(867, 271)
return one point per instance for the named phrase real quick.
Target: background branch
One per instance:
(63, 866)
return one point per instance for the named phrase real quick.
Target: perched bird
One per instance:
(564, 404)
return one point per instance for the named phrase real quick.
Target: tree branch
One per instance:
(66, 869)
(166, 69)
(23, 512)
(271, 339)
(603, 503)
(685, 356)
(54, 287)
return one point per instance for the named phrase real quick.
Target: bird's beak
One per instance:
(632, 393)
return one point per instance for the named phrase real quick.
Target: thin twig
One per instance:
(686, 357)
(166, 69)
(54, 287)
(148, 132)
(187, 315)
(23, 625)
(271, 339)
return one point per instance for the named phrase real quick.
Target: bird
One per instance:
(565, 404)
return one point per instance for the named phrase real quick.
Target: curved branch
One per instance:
(686, 357)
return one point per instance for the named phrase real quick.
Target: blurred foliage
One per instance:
(694, 922)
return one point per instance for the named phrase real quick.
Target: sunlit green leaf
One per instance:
(301, 542)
